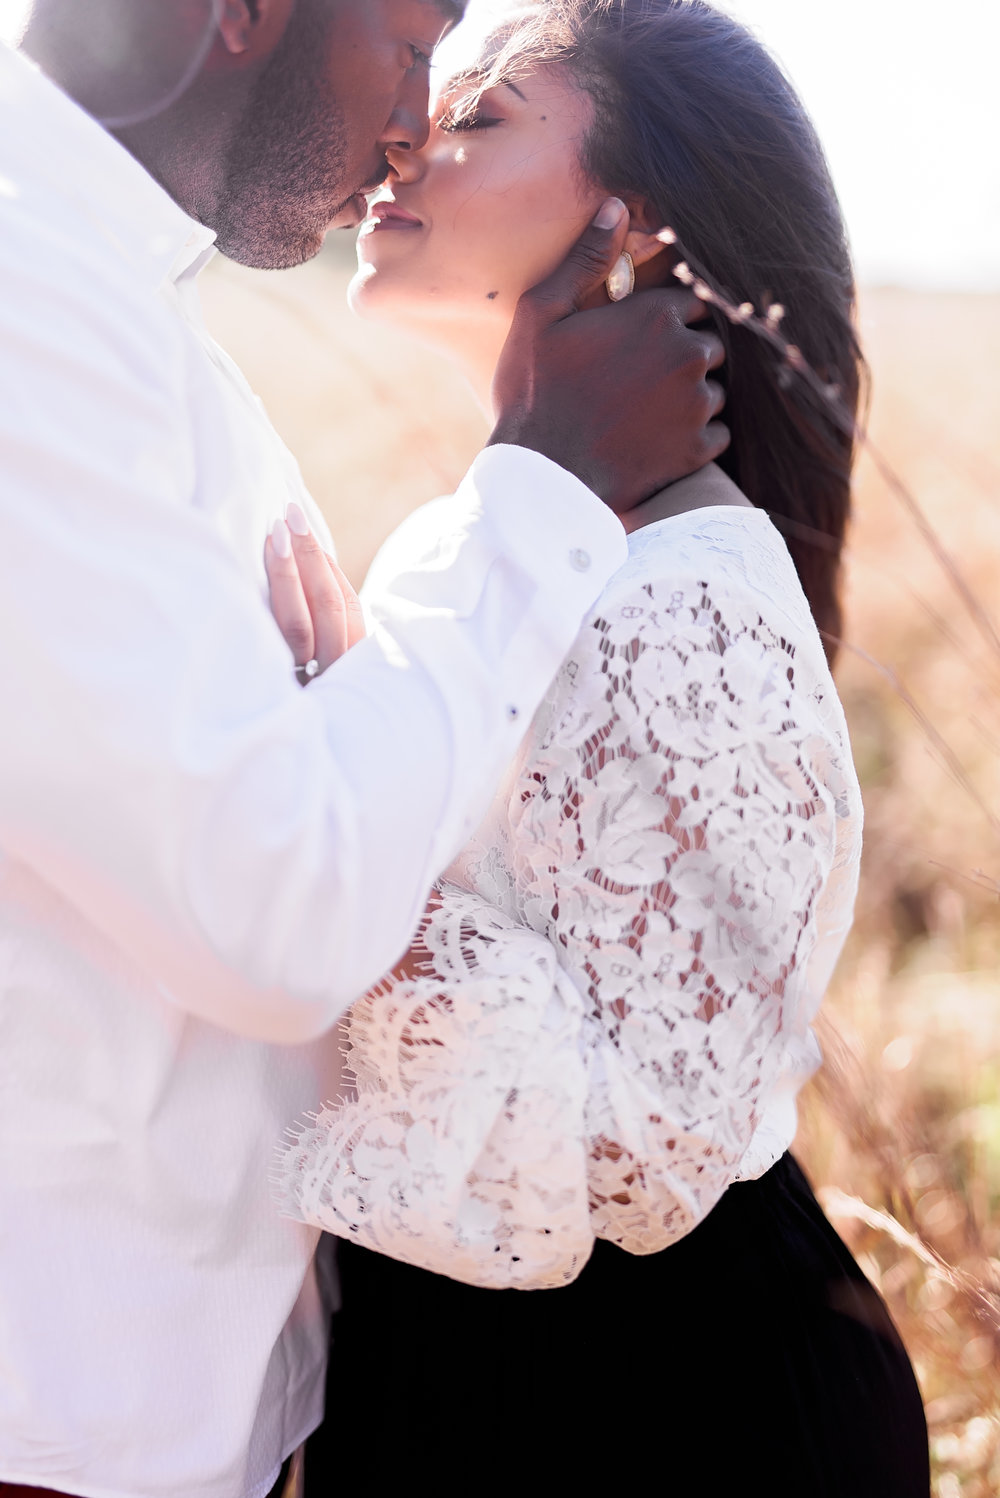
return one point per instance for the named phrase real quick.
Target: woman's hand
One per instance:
(316, 608)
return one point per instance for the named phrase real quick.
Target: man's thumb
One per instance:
(588, 263)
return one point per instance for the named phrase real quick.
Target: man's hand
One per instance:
(618, 394)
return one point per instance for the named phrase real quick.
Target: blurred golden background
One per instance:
(901, 1134)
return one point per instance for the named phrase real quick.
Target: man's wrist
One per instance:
(511, 433)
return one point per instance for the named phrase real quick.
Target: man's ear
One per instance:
(253, 27)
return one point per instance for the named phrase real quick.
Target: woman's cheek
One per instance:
(548, 246)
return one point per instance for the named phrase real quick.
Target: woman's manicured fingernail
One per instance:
(281, 540)
(297, 522)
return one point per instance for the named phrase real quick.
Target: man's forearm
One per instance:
(264, 851)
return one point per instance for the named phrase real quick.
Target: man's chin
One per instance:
(286, 234)
(267, 253)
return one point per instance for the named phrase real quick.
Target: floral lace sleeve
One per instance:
(605, 1013)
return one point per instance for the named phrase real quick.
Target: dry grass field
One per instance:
(902, 1132)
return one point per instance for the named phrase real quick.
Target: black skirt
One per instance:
(752, 1357)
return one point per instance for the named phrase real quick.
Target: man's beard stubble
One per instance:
(284, 171)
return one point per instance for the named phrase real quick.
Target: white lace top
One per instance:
(618, 982)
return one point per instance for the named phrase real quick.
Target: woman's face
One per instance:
(486, 209)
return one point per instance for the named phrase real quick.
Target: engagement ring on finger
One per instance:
(304, 674)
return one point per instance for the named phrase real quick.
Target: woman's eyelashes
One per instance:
(451, 122)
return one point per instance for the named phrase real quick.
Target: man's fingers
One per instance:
(715, 439)
(288, 601)
(716, 396)
(586, 266)
(716, 350)
(690, 308)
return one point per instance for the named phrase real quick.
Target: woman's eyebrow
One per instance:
(473, 75)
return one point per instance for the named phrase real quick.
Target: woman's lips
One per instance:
(389, 216)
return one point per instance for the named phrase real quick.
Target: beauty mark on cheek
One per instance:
(490, 295)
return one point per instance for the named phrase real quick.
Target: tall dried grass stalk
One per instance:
(936, 1270)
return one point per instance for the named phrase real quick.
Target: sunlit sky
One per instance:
(906, 97)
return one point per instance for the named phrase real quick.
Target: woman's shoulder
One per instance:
(704, 643)
(739, 542)
(725, 561)
(711, 595)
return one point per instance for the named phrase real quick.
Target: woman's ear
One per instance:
(642, 244)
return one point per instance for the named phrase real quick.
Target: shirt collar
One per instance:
(129, 206)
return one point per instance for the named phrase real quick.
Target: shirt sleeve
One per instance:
(263, 851)
(594, 1059)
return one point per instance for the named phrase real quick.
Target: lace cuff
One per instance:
(462, 1152)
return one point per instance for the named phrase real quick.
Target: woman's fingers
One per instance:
(288, 600)
(323, 590)
(355, 614)
(316, 608)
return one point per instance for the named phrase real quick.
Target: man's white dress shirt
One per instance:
(200, 864)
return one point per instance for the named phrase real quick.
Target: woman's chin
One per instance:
(376, 296)
(458, 329)
(381, 295)
(360, 292)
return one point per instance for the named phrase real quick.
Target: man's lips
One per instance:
(350, 214)
(352, 211)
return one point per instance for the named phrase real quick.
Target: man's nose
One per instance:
(409, 125)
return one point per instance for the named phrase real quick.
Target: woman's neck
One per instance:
(473, 346)
(477, 357)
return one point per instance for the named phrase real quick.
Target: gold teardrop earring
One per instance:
(621, 282)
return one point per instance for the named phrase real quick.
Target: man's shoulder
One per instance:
(71, 302)
(79, 218)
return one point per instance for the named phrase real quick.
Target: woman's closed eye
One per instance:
(452, 121)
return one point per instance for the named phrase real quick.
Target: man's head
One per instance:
(287, 119)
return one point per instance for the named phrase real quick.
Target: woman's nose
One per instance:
(405, 164)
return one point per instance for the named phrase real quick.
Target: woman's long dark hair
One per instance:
(694, 116)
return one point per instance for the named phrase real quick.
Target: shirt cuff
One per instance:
(514, 504)
(537, 507)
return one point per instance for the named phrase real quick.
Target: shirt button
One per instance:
(512, 712)
(579, 560)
